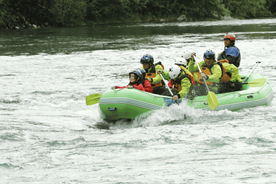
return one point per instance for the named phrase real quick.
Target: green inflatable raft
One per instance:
(131, 103)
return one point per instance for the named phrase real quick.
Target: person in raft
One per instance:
(231, 52)
(211, 71)
(180, 81)
(152, 75)
(188, 56)
(146, 84)
(230, 79)
(134, 81)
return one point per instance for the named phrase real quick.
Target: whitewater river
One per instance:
(49, 135)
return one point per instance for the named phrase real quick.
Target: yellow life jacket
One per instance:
(189, 74)
(177, 83)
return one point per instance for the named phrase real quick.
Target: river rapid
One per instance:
(49, 135)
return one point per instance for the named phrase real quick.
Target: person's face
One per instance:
(146, 66)
(208, 61)
(226, 42)
(132, 77)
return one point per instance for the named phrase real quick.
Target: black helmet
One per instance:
(147, 59)
(142, 71)
(137, 73)
(209, 54)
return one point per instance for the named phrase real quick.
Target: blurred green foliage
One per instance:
(32, 13)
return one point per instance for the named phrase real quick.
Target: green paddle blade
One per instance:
(212, 100)
(93, 99)
(257, 82)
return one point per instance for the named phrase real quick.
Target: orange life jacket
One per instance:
(152, 75)
(206, 71)
(224, 77)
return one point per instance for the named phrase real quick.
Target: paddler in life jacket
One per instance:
(134, 81)
(151, 73)
(231, 52)
(188, 56)
(230, 79)
(211, 72)
(145, 82)
(180, 81)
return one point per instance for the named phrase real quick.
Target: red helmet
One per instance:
(229, 36)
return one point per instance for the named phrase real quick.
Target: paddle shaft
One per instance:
(201, 74)
(252, 70)
(211, 97)
(166, 84)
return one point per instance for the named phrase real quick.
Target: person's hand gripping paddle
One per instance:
(211, 97)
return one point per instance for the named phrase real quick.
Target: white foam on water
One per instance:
(48, 134)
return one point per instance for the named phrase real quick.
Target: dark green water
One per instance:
(130, 36)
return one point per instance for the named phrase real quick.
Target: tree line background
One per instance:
(44, 13)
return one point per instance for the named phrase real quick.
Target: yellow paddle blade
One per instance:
(93, 99)
(212, 100)
(257, 82)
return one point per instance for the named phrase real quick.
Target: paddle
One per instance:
(211, 97)
(167, 86)
(93, 99)
(256, 82)
(252, 71)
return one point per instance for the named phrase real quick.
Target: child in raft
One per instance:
(134, 81)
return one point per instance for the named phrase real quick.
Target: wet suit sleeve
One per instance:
(192, 66)
(234, 72)
(121, 87)
(185, 87)
(157, 77)
(165, 74)
(216, 74)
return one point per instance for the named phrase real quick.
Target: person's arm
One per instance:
(157, 77)
(166, 75)
(185, 87)
(215, 77)
(234, 72)
(119, 87)
(140, 87)
(148, 87)
(192, 65)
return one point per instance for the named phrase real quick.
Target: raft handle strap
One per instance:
(114, 109)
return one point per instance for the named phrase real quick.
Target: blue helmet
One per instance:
(147, 59)
(209, 54)
(137, 73)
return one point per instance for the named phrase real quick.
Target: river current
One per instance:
(49, 135)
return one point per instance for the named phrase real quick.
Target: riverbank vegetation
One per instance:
(44, 13)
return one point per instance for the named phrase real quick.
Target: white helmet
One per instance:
(183, 63)
(187, 54)
(174, 71)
